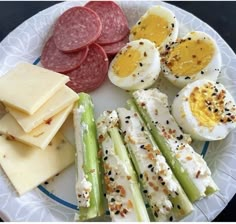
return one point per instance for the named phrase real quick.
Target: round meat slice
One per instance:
(114, 48)
(76, 28)
(91, 73)
(114, 23)
(58, 61)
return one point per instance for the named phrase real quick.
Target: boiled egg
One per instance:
(194, 57)
(136, 66)
(205, 110)
(158, 25)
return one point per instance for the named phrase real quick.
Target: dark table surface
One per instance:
(219, 15)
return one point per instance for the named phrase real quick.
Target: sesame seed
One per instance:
(111, 179)
(167, 122)
(105, 158)
(126, 122)
(142, 128)
(145, 191)
(141, 176)
(150, 166)
(140, 64)
(128, 117)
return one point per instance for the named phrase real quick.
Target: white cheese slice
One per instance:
(59, 101)
(40, 136)
(27, 87)
(28, 166)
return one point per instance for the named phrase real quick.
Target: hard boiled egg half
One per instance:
(136, 66)
(205, 110)
(194, 57)
(158, 25)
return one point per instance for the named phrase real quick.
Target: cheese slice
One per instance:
(60, 100)
(28, 166)
(27, 87)
(40, 136)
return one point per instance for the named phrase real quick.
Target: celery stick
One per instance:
(136, 129)
(87, 161)
(123, 155)
(188, 185)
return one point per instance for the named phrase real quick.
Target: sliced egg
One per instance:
(194, 57)
(205, 110)
(158, 25)
(136, 66)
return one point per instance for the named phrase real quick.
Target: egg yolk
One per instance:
(127, 62)
(207, 105)
(153, 28)
(190, 57)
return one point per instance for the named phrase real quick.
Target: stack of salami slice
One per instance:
(82, 40)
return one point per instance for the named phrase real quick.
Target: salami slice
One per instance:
(92, 72)
(114, 23)
(114, 48)
(57, 61)
(76, 28)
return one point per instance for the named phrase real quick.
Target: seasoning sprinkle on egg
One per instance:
(137, 61)
(180, 66)
(209, 112)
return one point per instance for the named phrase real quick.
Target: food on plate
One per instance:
(114, 22)
(25, 89)
(123, 193)
(58, 61)
(195, 56)
(136, 66)
(162, 191)
(27, 166)
(59, 101)
(76, 28)
(41, 135)
(158, 25)
(88, 174)
(92, 72)
(114, 48)
(188, 166)
(205, 110)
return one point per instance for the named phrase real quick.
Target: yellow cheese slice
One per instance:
(40, 136)
(60, 100)
(27, 87)
(28, 166)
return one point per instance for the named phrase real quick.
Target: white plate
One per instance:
(56, 200)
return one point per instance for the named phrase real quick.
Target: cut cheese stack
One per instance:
(38, 102)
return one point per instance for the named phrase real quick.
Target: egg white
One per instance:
(183, 115)
(210, 72)
(143, 76)
(169, 16)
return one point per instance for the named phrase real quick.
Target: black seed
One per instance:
(163, 183)
(140, 64)
(106, 152)
(156, 215)
(180, 137)
(173, 25)
(177, 95)
(105, 195)
(141, 176)
(189, 38)
(176, 76)
(117, 212)
(171, 218)
(217, 83)
(105, 158)
(142, 129)
(128, 117)
(113, 200)
(202, 72)
(145, 191)
(142, 80)
(152, 169)
(111, 179)
(187, 77)
(216, 110)
(139, 22)
(142, 146)
(141, 43)
(46, 182)
(167, 122)
(117, 191)
(226, 109)
(229, 120)
(150, 166)
(109, 173)
(126, 122)
(178, 206)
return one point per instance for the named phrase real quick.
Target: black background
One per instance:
(219, 15)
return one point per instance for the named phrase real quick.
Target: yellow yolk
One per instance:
(153, 28)
(190, 57)
(207, 105)
(127, 62)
